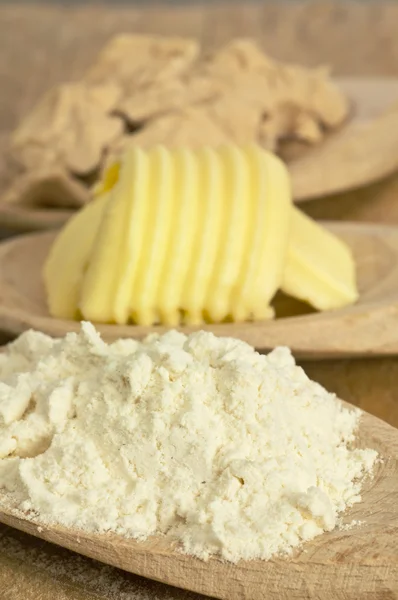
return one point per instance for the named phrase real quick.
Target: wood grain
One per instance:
(31, 569)
(359, 562)
(368, 328)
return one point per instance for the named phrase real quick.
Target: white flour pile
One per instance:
(197, 437)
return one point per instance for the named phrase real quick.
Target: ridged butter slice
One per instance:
(178, 255)
(269, 206)
(193, 235)
(68, 257)
(320, 268)
(160, 199)
(136, 184)
(232, 238)
(207, 234)
(275, 229)
(106, 288)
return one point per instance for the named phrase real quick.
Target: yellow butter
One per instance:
(270, 204)
(232, 237)
(68, 258)
(207, 235)
(186, 214)
(188, 236)
(159, 197)
(105, 293)
(320, 268)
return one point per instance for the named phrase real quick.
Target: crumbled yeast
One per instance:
(148, 90)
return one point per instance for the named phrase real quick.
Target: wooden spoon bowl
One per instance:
(352, 563)
(369, 328)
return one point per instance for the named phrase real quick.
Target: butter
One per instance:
(320, 268)
(205, 232)
(189, 236)
(231, 239)
(180, 245)
(118, 252)
(268, 248)
(156, 232)
(68, 257)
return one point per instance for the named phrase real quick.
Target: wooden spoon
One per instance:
(363, 151)
(368, 328)
(350, 564)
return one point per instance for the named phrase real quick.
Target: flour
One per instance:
(197, 437)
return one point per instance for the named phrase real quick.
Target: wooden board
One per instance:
(368, 328)
(358, 562)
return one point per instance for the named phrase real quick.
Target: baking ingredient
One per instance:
(137, 62)
(193, 236)
(320, 268)
(148, 90)
(66, 263)
(122, 233)
(197, 437)
(69, 128)
(47, 187)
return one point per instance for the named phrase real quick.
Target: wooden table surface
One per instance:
(43, 45)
